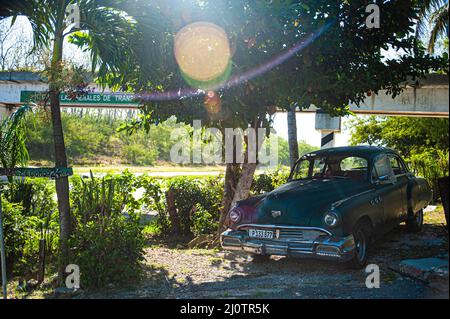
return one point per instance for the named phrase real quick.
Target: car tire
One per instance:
(414, 224)
(362, 235)
(259, 259)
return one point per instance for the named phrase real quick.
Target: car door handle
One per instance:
(376, 201)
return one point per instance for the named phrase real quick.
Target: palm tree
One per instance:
(433, 14)
(292, 135)
(107, 26)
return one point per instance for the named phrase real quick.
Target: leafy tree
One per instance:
(423, 142)
(340, 66)
(408, 135)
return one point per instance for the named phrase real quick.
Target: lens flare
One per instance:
(184, 93)
(202, 51)
(213, 104)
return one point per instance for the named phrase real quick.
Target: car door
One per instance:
(389, 191)
(400, 173)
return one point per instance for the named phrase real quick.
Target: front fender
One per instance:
(354, 208)
(420, 195)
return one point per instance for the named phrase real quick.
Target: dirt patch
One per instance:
(178, 273)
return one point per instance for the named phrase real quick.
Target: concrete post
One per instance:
(328, 139)
(328, 126)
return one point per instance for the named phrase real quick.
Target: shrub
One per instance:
(104, 195)
(108, 241)
(431, 164)
(136, 154)
(14, 231)
(108, 250)
(29, 217)
(203, 222)
(267, 182)
(193, 196)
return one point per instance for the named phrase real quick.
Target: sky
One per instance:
(306, 129)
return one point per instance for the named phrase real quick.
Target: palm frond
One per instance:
(13, 150)
(117, 34)
(426, 9)
(41, 15)
(439, 20)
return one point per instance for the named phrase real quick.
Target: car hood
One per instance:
(304, 202)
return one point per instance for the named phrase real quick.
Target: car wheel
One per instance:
(414, 224)
(259, 259)
(361, 234)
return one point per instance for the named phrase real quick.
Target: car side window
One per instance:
(397, 166)
(301, 170)
(382, 170)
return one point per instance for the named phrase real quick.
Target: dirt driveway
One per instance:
(173, 273)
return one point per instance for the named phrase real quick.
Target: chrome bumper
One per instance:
(324, 247)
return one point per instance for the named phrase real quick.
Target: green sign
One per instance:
(52, 173)
(95, 99)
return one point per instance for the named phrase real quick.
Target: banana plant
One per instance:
(97, 198)
(13, 150)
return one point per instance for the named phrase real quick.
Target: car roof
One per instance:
(368, 152)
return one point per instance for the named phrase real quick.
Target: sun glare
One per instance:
(202, 51)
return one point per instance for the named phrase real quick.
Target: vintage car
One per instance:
(335, 203)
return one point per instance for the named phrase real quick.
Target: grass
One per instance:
(115, 169)
(162, 168)
(435, 217)
(152, 229)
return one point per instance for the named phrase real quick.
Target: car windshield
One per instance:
(319, 167)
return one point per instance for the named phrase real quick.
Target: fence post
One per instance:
(2, 249)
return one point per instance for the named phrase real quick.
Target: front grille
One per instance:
(306, 235)
(290, 234)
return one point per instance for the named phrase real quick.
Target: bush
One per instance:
(14, 232)
(137, 155)
(193, 197)
(29, 217)
(108, 250)
(203, 222)
(431, 164)
(107, 242)
(267, 182)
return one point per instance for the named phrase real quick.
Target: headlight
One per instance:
(235, 215)
(331, 219)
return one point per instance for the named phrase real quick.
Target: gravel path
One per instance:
(175, 273)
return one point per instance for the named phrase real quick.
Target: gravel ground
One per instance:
(173, 273)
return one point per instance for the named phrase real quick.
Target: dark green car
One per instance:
(335, 203)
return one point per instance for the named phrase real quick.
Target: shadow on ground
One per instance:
(181, 273)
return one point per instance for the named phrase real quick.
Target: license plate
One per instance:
(262, 234)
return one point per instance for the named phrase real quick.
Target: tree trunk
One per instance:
(238, 182)
(172, 212)
(62, 184)
(41, 262)
(292, 136)
(231, 180)
(245, 182)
